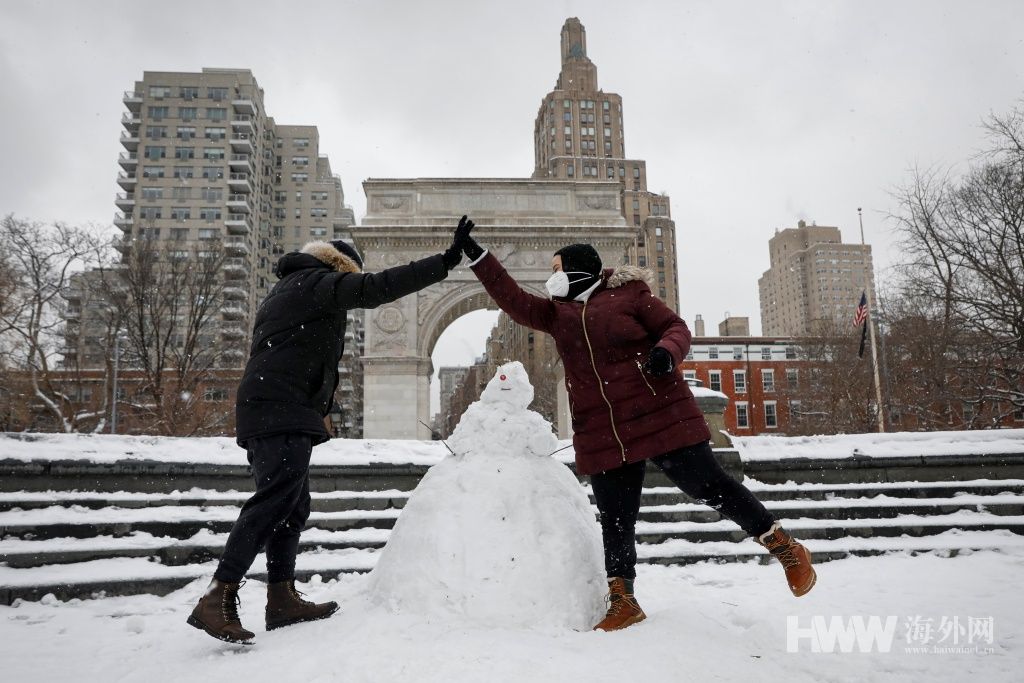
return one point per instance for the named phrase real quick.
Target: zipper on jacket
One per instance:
(600, 383)
(641, 369)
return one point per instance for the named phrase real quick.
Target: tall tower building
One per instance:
(813, 280)
(579, 135)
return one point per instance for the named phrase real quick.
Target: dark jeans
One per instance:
(696, 472)
(275, 515)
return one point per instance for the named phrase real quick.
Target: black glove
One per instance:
(659, 362)
(469, 246)
(452, 256)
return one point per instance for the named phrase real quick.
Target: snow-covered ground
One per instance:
(705, 622)
(895, 444)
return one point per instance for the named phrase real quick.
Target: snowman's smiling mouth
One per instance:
(506, 389)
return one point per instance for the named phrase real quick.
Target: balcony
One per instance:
(238, 203)
(127, 180)
(232, 311)
(244, 105)
(241, 142)
(125, 201)
(124, 222)
(131, 121)
(128, 160)
(121, 244)
(237, 224)
(236, 245)
(233, 331)
(243, 123)
(130, 141)
(132, 100)
(235, 268)
(240, 182)
(241, 161)
(234, 292)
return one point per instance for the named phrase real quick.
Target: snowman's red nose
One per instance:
(503, 378)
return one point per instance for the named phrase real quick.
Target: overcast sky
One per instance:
(750, 115)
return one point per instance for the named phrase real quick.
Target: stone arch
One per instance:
(522, 222)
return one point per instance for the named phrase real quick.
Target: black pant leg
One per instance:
(283, 544)
(280, 466)
(617, 493)
(695, 470)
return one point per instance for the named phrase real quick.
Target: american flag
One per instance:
(862, 310)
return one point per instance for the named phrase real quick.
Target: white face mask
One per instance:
(558, 283)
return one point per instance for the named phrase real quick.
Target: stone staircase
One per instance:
(117, 530)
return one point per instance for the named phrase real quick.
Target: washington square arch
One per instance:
(521, 221)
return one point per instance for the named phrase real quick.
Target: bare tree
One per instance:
(40, 263)
(963, 277)
(169, 300)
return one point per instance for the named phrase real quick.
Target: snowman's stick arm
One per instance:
(441, 440)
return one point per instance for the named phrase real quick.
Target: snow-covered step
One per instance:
(332, 501)
(177, 522)
(843, 508)
(810, 528)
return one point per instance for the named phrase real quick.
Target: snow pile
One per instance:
(895, 444)
(499, 532)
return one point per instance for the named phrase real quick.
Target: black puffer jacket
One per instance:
(299, 334)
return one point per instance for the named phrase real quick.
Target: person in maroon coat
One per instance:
(620, 346)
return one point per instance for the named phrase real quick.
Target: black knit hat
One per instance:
(348, 250)
(580, 258)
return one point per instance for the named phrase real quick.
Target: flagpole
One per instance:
(871, 325)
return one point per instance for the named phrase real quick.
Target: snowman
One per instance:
(499, 532)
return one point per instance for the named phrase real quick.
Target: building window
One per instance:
(771, 419)
(662, 292)
(212, 194)
(213, 172)
(186, 132)
(159, 91)
(713, 353)
(187, 113)
(183, 172)
(153, 172)
(179, 234)
(737, 353)
(790, 353)
(659, 245)
(216, 113)
(150, 213)
(213, 152)
(189, 92)
(215, 394)
(184, 153)
(641, 261)
(300, 177)
(794, 409)
(742, 417)
(180, 213)
(739, 381)
(318, 232)
(636, 171)
(622, 171)
(768, 380)
(217, 94)
(158, 113)
(689, 374)
(318, 213)
(715, 380)
(152, 193)
(567, 116)
(209, 213)
(215, 133)
(301, 142)
(300, 161)
(570, 170)
(156, 131)
(156, 152)
(661, 261)
(766, 353)
(209, 233)
(792, 378)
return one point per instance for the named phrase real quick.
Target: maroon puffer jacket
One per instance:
(620, 414)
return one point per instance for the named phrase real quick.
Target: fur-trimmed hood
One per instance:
(623, 274)
(326, 253)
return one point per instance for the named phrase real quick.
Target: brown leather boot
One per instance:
(217, 614)
(285, 606)
(795, 559)
(623, 609)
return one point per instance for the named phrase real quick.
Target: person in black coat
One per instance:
(286, 391)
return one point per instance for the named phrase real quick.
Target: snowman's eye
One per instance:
(503, 378)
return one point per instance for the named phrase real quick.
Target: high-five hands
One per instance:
(453, 254)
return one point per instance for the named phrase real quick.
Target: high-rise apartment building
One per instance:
(204, 164)
(814, 280)
(579, 134)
